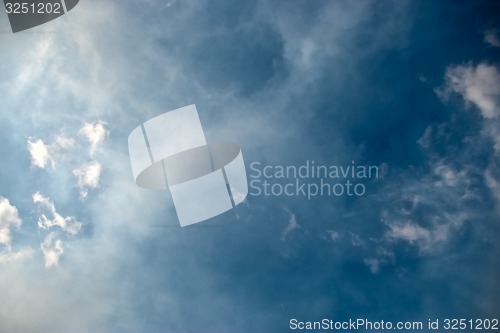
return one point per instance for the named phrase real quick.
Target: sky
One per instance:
(411, 87)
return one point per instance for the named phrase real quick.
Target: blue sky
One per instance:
(410, 86)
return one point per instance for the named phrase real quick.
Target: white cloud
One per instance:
(9, 218)
(428, 240)
(41, 153)
(479, 85)
(52, 250)
(67, 223)
(95, 133)
(88, 177)
(491, 38)
(408, 231)
(88, 174)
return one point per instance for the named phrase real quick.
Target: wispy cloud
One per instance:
(433, 209)
(428, 239)
(291, 226)
(39, 154)
(408, 231)
(63, 141)
(444, 187)
(478, 85)
(9, 256)
(95, 133)
(68, 224)
(88, 174)
(493, 181)
(52, 250)
(491, 37)
(88, 177)
(51, 247)
(356, 240)
(333, 235)
(42, 153)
